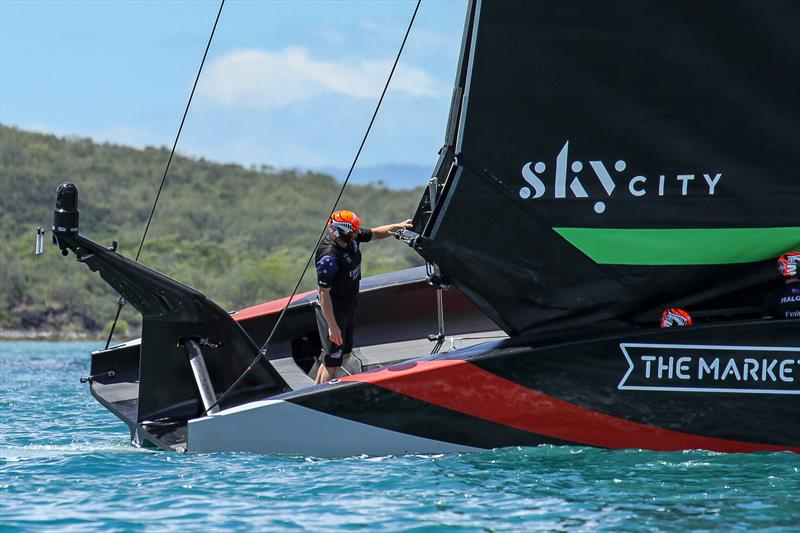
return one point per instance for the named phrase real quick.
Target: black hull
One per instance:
(520, 393)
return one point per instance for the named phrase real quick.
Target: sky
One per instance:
(286, 83)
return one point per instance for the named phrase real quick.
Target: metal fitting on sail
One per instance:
(436, 278)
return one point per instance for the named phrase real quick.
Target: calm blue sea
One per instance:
(66, 464)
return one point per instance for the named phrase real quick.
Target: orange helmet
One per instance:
(789, 264)
(674, 316)
(343, 223)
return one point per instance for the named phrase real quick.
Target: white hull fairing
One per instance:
(281, 427)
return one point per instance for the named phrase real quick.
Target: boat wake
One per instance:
(12, 454)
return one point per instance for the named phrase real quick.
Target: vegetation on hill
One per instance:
(239, 235)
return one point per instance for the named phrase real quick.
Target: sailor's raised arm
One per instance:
(381, 232)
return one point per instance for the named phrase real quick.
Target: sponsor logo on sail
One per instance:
(705, 368)
(569, 179)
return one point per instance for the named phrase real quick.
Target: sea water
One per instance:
(67, 464)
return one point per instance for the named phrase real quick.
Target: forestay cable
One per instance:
(263, 351)
(169, 162)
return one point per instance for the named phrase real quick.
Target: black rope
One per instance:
(263, 351)
(121, 302)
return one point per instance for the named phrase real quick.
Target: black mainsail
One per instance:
(614, 158)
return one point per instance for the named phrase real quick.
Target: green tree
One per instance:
(239, 235)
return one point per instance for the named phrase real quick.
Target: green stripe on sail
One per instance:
(694, 246)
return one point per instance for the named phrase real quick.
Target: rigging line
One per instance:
(121, 302)
(263, 351)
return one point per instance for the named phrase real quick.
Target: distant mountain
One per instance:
(393, 176)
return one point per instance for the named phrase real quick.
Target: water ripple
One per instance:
(66, 464)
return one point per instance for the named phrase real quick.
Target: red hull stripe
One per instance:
(268, 308)
(460, 386)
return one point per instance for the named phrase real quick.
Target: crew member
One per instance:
(675, 317)
(338, 275)
(784, 301)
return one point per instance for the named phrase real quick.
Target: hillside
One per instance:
(239, 235)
